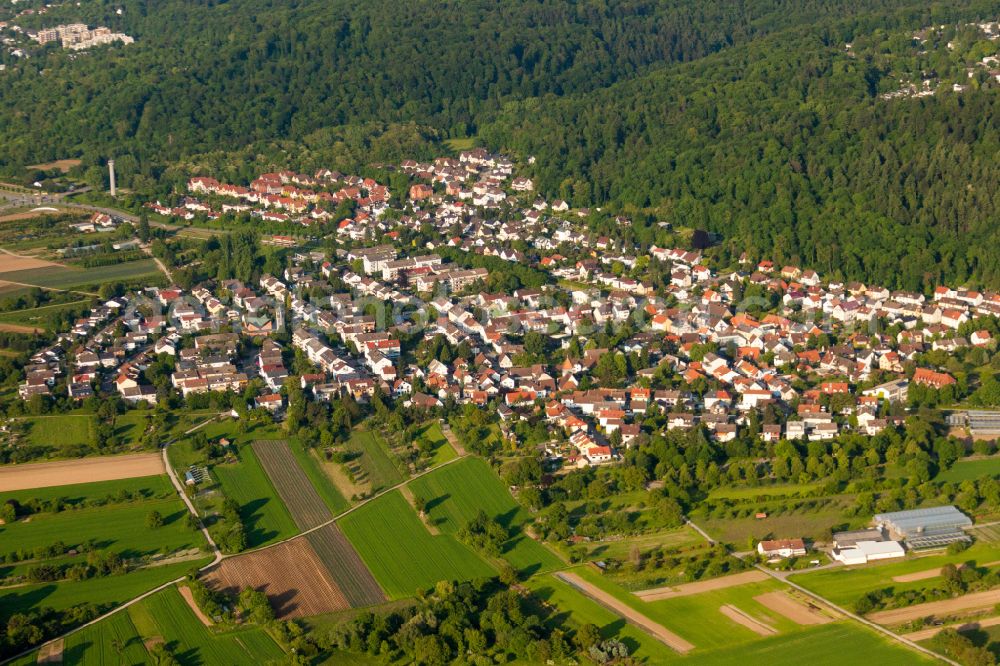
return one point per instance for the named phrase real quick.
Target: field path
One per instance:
(652, 628)
(188, 597)
(84, 470)
(687, 589)
(452, 439)
(744, 619)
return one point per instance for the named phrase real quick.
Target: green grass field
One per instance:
(320, 481)
(104, 592)
(158, 486)
(836, 643)
(402, 555)
(844, 585)
(120, 528)
(65, 277)
(809, 524)
(193, 643)
(682, 537)
(443, 451)
(95, 644)
(265, 517)
(40, 316)
(574, 609)
(965, 470)
(373, 460)
(62, 429)
(456, 493)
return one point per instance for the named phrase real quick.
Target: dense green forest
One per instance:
(748, 119)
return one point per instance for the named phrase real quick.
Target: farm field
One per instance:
(965, 470)
(294, 591)
(169, 615)
(345, 566)
(120, 528)
(65, 277)
(94, 645)
(70, 472)
(843, 585)
(621, 548)
(158, 486)
(62, 429)
(781, 490)
(373, 466)
(103, 592)
(307, 460)
(301, 499)
(455, 494)
(807, 523)
(582, 610)
(697, 618)
(839, 642)
(40, 316)
(402, 555)
(261, 510)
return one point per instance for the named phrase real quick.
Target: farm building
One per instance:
(925, 528)
(782, 548)
(863, 552)
(849, 539)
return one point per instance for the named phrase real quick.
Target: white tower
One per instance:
(111, 173)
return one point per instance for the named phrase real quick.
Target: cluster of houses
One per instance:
(689, 331)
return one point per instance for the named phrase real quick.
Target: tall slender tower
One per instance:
(111, 173)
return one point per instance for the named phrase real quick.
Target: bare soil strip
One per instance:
(83, 470)
(687, 589)
(744, 619)
(17, 262)
(346, 568)
(452, 439)
(291, 575)
(63, 165)
(408, 496)
(195, 608)
(51, 653)
(658, 631)
(965, 603)
(931, 632)
(804, 613)
(338, 475)
(19, 328)
(930, 573)
(296, 490)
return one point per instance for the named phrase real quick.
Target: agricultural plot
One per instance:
(839, 642)
(372, 466)
(41, 317)
(96, 644)
(65, 277)
(843, 585)
(71, 472)
(307, 460)
(443, 451)
(103, 592)
(345, 566)
(291, 574)
(570, 606)
(177, 625)
(80, 494)
(682, 537)
(965, 470)
(455, 494)
(402, 555)
(295, 489)
(265, 517)
(61, 430)
(120, 528)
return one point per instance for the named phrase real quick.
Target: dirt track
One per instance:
(967, 602)
(687, 589)
(635, 617)
(792, 608)
(195, 608)
(744, 619)
(83, 470)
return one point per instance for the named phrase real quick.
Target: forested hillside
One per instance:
(784, 148)
(751, 119)
(209, 75)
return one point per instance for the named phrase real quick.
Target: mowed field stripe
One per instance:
(346, 567)
(295, 489)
